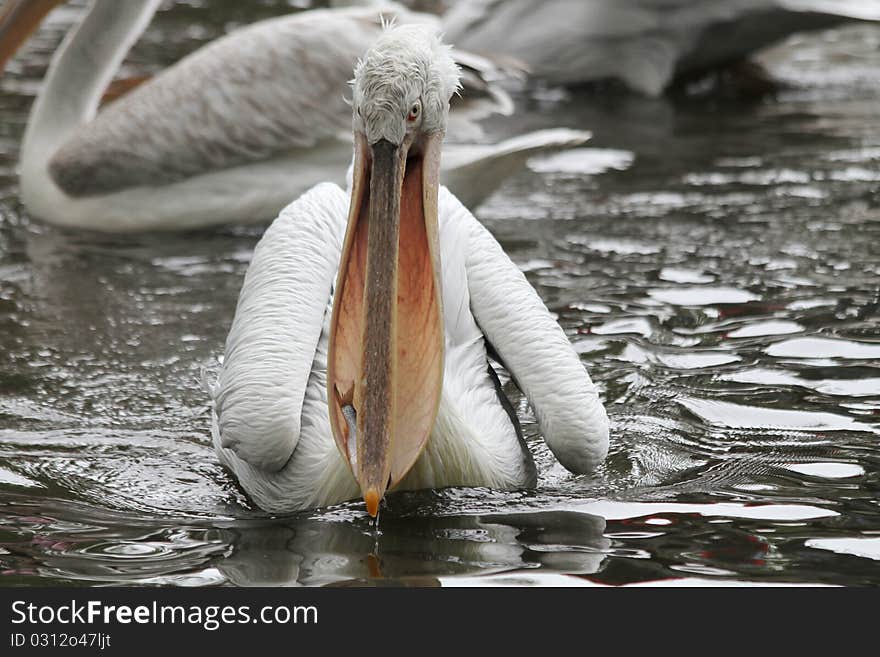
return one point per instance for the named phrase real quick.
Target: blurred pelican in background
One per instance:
(231, 132)
(396, 350)
(647, 44)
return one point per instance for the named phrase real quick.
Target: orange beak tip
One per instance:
(371, 498)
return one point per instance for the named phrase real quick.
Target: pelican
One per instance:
(381, 380)
(229, 133)
(644, 43)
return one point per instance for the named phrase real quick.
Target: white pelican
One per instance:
(230, 133)
(644, 43)
(397, 349)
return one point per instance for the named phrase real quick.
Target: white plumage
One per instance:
(229, 133)
(420, 286)
(271, 423)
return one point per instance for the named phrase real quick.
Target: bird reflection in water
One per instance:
(413, 550)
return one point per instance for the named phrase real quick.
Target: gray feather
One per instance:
(263, 90)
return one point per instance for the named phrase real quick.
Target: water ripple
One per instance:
(713, 263)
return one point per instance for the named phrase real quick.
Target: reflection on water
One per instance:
(713, 262)
(329, 547)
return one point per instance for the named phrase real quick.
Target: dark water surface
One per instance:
(716, 264)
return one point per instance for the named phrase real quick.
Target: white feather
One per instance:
(271, 346)
(229, 133)
(536, 351)
(408, 63)
(288, 462)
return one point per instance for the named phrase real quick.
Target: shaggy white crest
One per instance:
(407, 66)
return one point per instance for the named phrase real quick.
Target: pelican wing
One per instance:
(261, 91)
(533, 347)
(271, 346)
(476, 170)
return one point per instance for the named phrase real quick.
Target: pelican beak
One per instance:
(18, 19)
(385, 368)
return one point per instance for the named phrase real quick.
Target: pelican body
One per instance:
(644, 43)
(230, 133)
(357, 361)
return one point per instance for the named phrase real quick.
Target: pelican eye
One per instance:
(414, 112)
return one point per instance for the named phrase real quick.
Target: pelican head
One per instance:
(385, 369)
